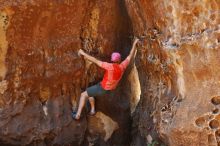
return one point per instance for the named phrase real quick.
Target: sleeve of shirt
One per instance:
(125, 63)
(105, 65)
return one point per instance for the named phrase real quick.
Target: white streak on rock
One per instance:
(45, 110)
(135, 88)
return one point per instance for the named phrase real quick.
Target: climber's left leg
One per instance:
(92, 104)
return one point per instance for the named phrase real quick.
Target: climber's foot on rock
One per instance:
(92, 113)
(75, 116)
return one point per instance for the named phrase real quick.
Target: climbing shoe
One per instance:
(74, 116)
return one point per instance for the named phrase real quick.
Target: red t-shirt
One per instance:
(113, 73)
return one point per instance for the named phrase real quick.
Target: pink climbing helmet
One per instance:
(116, 57)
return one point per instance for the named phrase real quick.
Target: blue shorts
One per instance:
(96, 90)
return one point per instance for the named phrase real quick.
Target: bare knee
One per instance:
(91, 98)
(84, 94)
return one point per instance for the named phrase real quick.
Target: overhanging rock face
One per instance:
(41, 75)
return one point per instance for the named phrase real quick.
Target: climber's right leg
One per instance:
(83, 98)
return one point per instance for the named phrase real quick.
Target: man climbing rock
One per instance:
(113, 74)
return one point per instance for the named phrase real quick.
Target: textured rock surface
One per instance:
(180, 57)
(41, 76)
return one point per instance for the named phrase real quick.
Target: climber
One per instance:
(113, 74)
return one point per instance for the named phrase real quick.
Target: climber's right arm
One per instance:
(126, 62)
(90, 58)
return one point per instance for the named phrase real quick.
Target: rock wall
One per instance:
(41, 75)
(178, 70)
